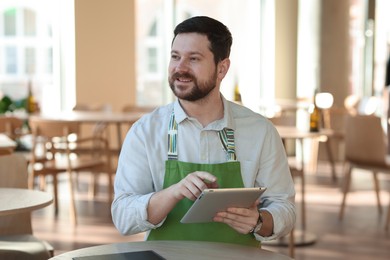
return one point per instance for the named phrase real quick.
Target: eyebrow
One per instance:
(191, 53)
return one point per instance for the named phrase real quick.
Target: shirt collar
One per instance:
(226, 122)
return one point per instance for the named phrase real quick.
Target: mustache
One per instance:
(184, 75)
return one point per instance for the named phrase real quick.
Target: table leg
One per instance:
(331, 160)
(300, 237)
(119, 134)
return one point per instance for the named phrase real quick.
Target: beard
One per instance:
(198, 91)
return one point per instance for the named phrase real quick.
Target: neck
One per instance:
(206, 110)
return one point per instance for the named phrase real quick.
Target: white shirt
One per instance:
(141, 165)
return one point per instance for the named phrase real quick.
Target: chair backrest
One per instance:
(53, 128)
(286, 119)
(14, 174)
(47, 135)
(365, 141)
(10, 125)
(98, 129)
(135, 108)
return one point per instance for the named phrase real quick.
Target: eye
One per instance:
(175, 56)
(194, 59)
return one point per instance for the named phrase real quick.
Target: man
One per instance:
(202, 141)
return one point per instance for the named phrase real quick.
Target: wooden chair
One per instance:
(52, 139)
(365, 148)
(135, 108)
(11, 126)
(99, 129)
(16, 236)
(334, 119)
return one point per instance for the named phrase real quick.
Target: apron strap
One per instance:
(172, 138)
(226, 136)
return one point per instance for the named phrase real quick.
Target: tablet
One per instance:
(212, 201)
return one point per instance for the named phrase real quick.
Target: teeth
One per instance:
(184, 79)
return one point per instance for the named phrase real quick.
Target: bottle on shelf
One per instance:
(315, 115)
(237, 93)
(30, 101)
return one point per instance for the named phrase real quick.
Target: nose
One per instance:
(182, 65)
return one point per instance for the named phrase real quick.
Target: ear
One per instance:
(223, 67)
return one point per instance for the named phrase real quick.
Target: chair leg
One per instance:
(55, 188)
(93, 185)
(42, 182)
(110, 186)
(331, 160)
(388, 218)
(347, 184)
(110, 177)
(314, 153)
(376, 185)
(291, 245)
(303, 201)
(73, 213)
(31, 178)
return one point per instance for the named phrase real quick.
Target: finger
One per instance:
(191, 189)
(202, 180)
(243, 216)
(194, 184)
(238, 226)
(188, 194)
(241, 211)
(206, 176)
(256, 203)
(212, 185)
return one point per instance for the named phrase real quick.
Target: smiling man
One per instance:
(202, 141)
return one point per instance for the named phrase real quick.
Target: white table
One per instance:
(93, 117)
(172, 250)
(292, 132)
(14, 201)
(7, 143)
(301, 237)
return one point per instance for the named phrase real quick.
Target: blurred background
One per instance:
(119, 50)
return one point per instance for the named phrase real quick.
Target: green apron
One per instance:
(228, 175)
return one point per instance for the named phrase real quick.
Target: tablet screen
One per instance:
(212, 201)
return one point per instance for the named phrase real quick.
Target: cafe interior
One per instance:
(84, 71)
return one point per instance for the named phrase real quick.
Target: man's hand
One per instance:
(193, 184)
(240, 219)
(162, 202)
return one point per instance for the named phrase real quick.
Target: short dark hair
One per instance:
(217, 33)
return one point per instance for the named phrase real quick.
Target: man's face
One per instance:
(192, 71)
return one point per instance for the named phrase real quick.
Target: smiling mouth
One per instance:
(184, 80)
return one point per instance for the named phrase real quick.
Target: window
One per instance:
(10, 22)
(23, 44)
(29, 51)
(252, 37)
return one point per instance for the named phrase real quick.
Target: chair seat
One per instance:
(378, 167)
(25, 246)
(366, 149)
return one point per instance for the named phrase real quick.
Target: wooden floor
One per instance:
(361, 235)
